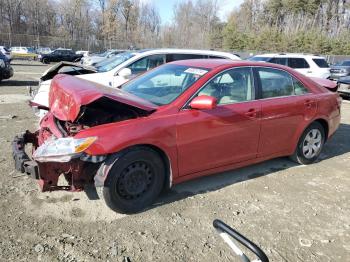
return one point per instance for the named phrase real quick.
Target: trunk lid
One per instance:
(330, 85)
(68, 94)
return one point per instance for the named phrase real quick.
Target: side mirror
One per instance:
(203, 102)
(125, 72)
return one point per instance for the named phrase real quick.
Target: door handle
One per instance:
(252, 113)
(309, 72)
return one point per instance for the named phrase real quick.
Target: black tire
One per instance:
(45, 61)
(309, 154)
(134, 181)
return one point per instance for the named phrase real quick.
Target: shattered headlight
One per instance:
(2, 63)
(62, 149)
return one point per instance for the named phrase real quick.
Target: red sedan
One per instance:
(179, 121)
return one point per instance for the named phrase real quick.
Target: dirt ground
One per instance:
(295, 213)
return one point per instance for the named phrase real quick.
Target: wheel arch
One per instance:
(103, 171)
(324, 124)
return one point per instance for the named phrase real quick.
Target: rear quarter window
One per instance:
(320, 62)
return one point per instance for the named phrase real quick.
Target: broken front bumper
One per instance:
(77, 172)
(22, 161)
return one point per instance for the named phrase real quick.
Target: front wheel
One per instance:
(310, 144)
(134, 181)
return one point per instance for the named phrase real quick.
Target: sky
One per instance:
(165, 8)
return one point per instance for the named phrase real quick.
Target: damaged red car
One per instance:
(180, 121)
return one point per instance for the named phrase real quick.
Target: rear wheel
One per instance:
(310, 144)
(134, 181)
(45, 61)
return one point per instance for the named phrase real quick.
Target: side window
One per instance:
(233, 86)
(275, 83)
(278, 60)
(175, 57)
(299, 88)
(298, 63)
(146, 63)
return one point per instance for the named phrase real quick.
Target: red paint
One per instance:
(199, 142)
(331, 85)
(68, 94)
(203, 102)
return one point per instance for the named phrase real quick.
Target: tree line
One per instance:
(317, 26)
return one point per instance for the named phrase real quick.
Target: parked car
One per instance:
(309, 65)
(23, 52)
(94, 59)
(119, 69)
(6, 71)
(5, 51)
(59, 55)
(43, 50)
(344, 86)
(340, 70)
(182, 120)
(82, 52)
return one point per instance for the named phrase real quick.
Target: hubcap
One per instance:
(312, 143)
(135, 180)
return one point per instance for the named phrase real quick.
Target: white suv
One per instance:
(309, 65)
(115, 71)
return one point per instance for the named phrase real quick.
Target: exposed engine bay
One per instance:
(100, 112)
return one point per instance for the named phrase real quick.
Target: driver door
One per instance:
(226, 134)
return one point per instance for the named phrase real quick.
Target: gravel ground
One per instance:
(295, 213)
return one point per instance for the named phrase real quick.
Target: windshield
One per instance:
(164, 84)
(112, 62)
(259, 58)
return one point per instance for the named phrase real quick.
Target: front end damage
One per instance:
(58, 149)
(78, 171)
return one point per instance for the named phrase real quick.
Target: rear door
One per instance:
(285, 105)
(226, 134)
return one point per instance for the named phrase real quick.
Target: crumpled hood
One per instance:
(69, 93)
(52, 71)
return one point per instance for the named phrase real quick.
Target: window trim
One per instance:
(187, 103)
(282, 70)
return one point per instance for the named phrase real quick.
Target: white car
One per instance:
(309, 65)
(117, 70)
(82, 52)
(20, 50)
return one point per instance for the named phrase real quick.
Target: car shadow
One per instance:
(26, 64)
(19, 83)
(337, 145)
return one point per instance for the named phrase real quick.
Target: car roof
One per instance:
(296, 55)
(144, 52)
(215, 63)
